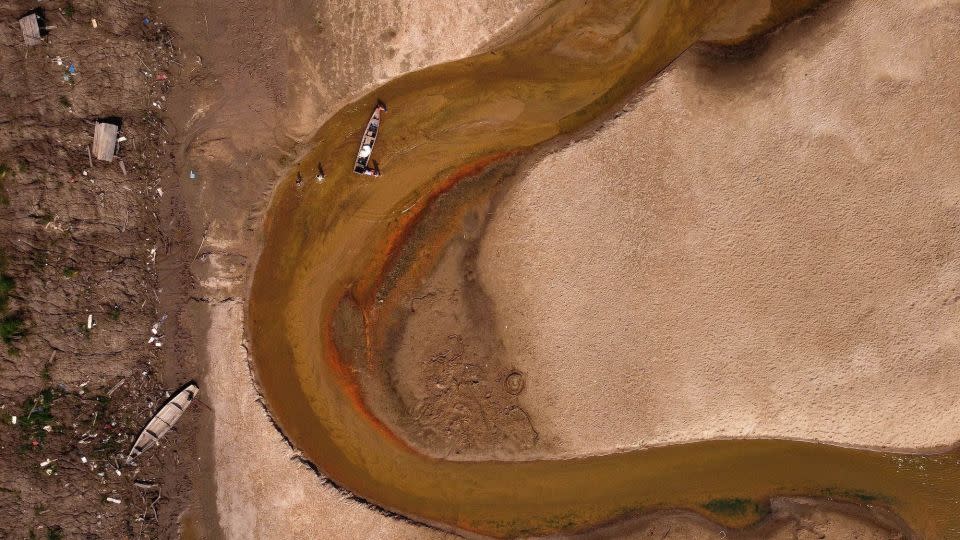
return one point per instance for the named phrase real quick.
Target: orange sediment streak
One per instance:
(365, 292)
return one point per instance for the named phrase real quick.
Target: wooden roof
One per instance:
(30, 26)
(104, 141)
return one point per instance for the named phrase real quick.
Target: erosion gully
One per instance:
(329, 244)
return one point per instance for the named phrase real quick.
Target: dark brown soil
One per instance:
(80, 240)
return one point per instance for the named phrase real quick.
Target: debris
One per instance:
(30, 27)
(93, 22)
(161, 76)
(46, 462)
(121, 139)
(13, 420)
(72, 69)
(90, 323)
(59, 61)
(114, 388)
(47, 428)
(193, 174)
(104, 140)
(113, 500)
(166, 417)
(83, 460)
(146, 21)
(123, 168)
(160, 192)
(145, 484)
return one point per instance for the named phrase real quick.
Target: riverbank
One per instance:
(88, 256)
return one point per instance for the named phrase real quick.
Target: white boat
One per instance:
(166, 417)
(363, 164)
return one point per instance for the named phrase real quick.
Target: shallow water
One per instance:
(326, 242)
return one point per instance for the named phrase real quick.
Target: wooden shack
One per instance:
(104, 140)
(30, 26)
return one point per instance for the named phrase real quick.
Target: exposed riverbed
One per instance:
(335, 273)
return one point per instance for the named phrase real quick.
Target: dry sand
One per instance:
(761, 247)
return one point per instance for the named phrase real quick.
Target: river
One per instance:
(329, 264)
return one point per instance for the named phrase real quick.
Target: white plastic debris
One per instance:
(83, 460)
(46, 462)
(113, 500)
(93, 22)
(153, 255)
(13, 420)
(160, 192)
(193, 175)
(121, 139)
(90, 324)
(47, 428)
(118, 472)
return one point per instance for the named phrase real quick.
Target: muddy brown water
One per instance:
(328, 242)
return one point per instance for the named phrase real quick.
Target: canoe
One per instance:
(363, 165)
(166, 417)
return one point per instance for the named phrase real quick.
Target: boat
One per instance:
(166, 417)
(364, 165)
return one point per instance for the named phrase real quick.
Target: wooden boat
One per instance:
(363, 164)
(166, 417)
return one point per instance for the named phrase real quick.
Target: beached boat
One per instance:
(364, 165)
(166, 417)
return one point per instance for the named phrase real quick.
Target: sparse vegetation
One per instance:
(12, 325)
(37, 413)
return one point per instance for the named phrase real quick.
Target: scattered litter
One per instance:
(48, 428)
(83, 460)
(193, 174)
(121, 139)
(93, 22)
(113, 500)
(46, 462)
(160, 192)
(13, 420)
(161, 76)
(49, 472)
(145, 484)
(118, 472)
(72, 69)
(153, 255)
(59, 61)
(123, 168)
(161, 422)
(90, 323)
(146, 21)
(66, 77)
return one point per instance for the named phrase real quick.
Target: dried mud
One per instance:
(79, 240)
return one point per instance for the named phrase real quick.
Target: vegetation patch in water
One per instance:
(733, 506)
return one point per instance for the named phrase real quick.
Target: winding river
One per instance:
(331, 261)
